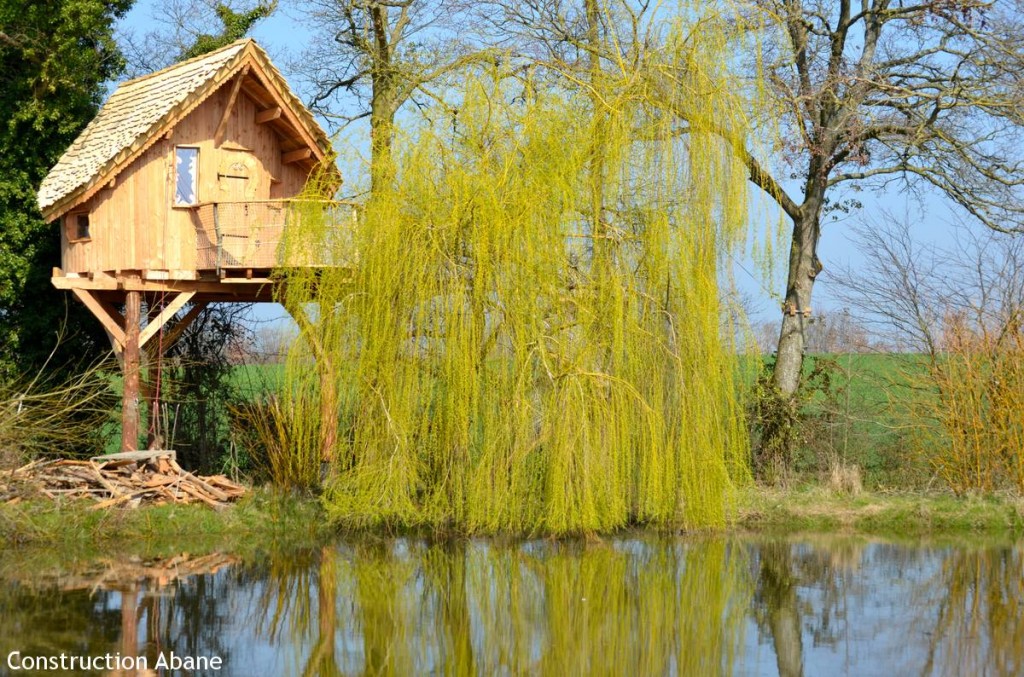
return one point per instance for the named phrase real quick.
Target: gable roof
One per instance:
(141, 110)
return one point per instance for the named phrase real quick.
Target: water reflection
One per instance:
(628, 606)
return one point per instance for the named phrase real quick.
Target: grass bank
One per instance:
(266, 520)
(262, 521)
(818, 509)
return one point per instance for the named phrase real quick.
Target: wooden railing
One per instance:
(256, 234)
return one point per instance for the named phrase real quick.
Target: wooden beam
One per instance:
(235, 286)
(132, 366)
(296, 155)
(288, 114)
(118, 350)
(267, 115)
(113, 312)
(105, 313)
(218, 136)
(169, 311)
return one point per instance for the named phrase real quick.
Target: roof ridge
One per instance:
(179, 64)
(127, 122)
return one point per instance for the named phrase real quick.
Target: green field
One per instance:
(857, 411)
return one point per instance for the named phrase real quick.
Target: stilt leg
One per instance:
(130, 403)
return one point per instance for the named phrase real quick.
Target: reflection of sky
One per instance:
(881, 616)
(864, 608)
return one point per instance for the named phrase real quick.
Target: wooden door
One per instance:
(238, 182)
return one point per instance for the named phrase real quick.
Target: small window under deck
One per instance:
(77, 225)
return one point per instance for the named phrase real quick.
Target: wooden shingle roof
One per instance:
(141, 110)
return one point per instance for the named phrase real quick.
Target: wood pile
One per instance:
(133, 573)
(130, 478)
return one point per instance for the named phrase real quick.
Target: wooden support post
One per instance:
(130, 400)
(129, 622)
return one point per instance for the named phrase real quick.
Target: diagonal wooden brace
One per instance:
(169, 311)
(171, 337)
(112, 321)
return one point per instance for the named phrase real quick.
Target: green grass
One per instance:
(263, 520)
(860, 409)
(815, 508)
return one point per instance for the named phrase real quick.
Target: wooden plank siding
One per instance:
(133, 223)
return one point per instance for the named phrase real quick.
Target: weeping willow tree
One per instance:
(524, 331)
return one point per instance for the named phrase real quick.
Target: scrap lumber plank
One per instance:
(103, 481)
(143, 455)
(115, 501)
(201, 496)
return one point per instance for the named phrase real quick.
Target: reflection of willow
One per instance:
(471, 608)
(284, 609)
(628, 609)
(980, 627)
(322, 659)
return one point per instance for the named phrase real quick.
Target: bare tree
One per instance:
(370, 57)
(183, 31)
(884, 93)
(897, 290)
(272, 342)
(908, 291)
(836, 332)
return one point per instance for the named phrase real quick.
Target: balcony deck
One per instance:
(242, 236)
(239, 245)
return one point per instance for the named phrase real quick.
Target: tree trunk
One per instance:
(778, 590)
(383, 103)
(803, 268)
(382, 131)
(328, 387)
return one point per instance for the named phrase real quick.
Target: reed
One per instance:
(979, 383)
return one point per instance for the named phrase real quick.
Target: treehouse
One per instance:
(178, 194)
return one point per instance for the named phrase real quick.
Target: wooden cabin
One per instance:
(177, 195)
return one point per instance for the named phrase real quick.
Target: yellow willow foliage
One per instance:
(526, 333)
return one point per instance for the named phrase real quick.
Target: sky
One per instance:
(284, 36)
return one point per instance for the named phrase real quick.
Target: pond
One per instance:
(636, 605)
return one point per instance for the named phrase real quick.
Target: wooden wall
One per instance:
(133, 225)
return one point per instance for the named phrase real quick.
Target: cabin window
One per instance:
(77, 227)
(186, 183)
